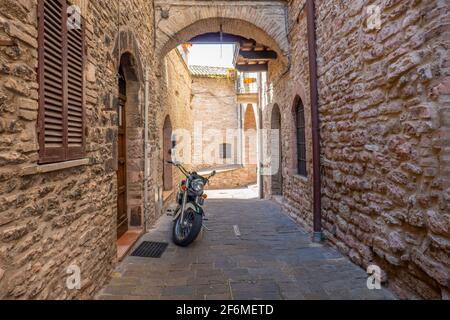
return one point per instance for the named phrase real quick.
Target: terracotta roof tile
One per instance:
(213, 72)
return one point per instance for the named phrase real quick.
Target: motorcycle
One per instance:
(189, 215)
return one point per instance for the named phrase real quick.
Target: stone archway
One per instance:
(178, 22)
(276, 152)
(126, 43)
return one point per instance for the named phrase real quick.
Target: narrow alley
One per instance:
(324, 126)
(252, 250)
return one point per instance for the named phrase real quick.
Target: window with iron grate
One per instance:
(301, 141)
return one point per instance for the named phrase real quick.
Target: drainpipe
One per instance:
(146, 164)
(260, 138)
(239, 142)
(317, 210)
(258, 148)
(241, 135)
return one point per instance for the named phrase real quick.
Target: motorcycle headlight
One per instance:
(198, 185)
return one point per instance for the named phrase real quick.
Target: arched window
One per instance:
(301, 145)
(277, 176)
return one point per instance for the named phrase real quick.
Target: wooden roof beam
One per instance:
(252, 67)
(258, 55)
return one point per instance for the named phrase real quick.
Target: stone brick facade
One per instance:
(233, 177)
(177, 105)
(385, 176)
(52, 217)
(383, 134)
(214, 104)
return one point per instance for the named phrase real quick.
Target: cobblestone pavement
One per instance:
(272, 258)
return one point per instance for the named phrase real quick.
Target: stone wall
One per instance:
(177, 104)
(384, 131)
(233, 177)
(384, 134)
(216, 120)
(51, 220)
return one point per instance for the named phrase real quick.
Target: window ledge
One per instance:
(35, 169)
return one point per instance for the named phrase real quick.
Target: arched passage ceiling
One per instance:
(179, 21)
(250, 56)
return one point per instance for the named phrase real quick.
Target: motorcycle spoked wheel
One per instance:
(183, 234)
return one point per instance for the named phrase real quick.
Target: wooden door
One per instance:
(122, 216)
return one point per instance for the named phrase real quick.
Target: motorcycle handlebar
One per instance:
(180, 167)
(187, 173)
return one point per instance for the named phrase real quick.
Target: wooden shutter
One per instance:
(51, 80)
(301, 145)
(75, 90)
(61, 85)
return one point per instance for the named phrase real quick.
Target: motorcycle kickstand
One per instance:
(206, 228)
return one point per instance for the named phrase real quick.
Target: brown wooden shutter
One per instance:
(51, 80)
(61, 85)
(75, 92)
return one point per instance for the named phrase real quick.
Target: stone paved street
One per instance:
(271, 259)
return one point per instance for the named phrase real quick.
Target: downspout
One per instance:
(317, 205)
(260, 139)
(241, 135)
(239, 141)
(146, 162)
(258, 147)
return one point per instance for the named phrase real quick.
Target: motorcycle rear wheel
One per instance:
(184, 236)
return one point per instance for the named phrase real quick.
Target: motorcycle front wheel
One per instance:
(185, 232)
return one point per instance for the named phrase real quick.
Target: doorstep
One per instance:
(126, 242)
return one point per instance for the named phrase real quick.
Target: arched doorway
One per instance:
(167, 154)
(129, 138)
(250, 145)
(122, 208)
(276, 148)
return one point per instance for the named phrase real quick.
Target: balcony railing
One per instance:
(246, 84)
